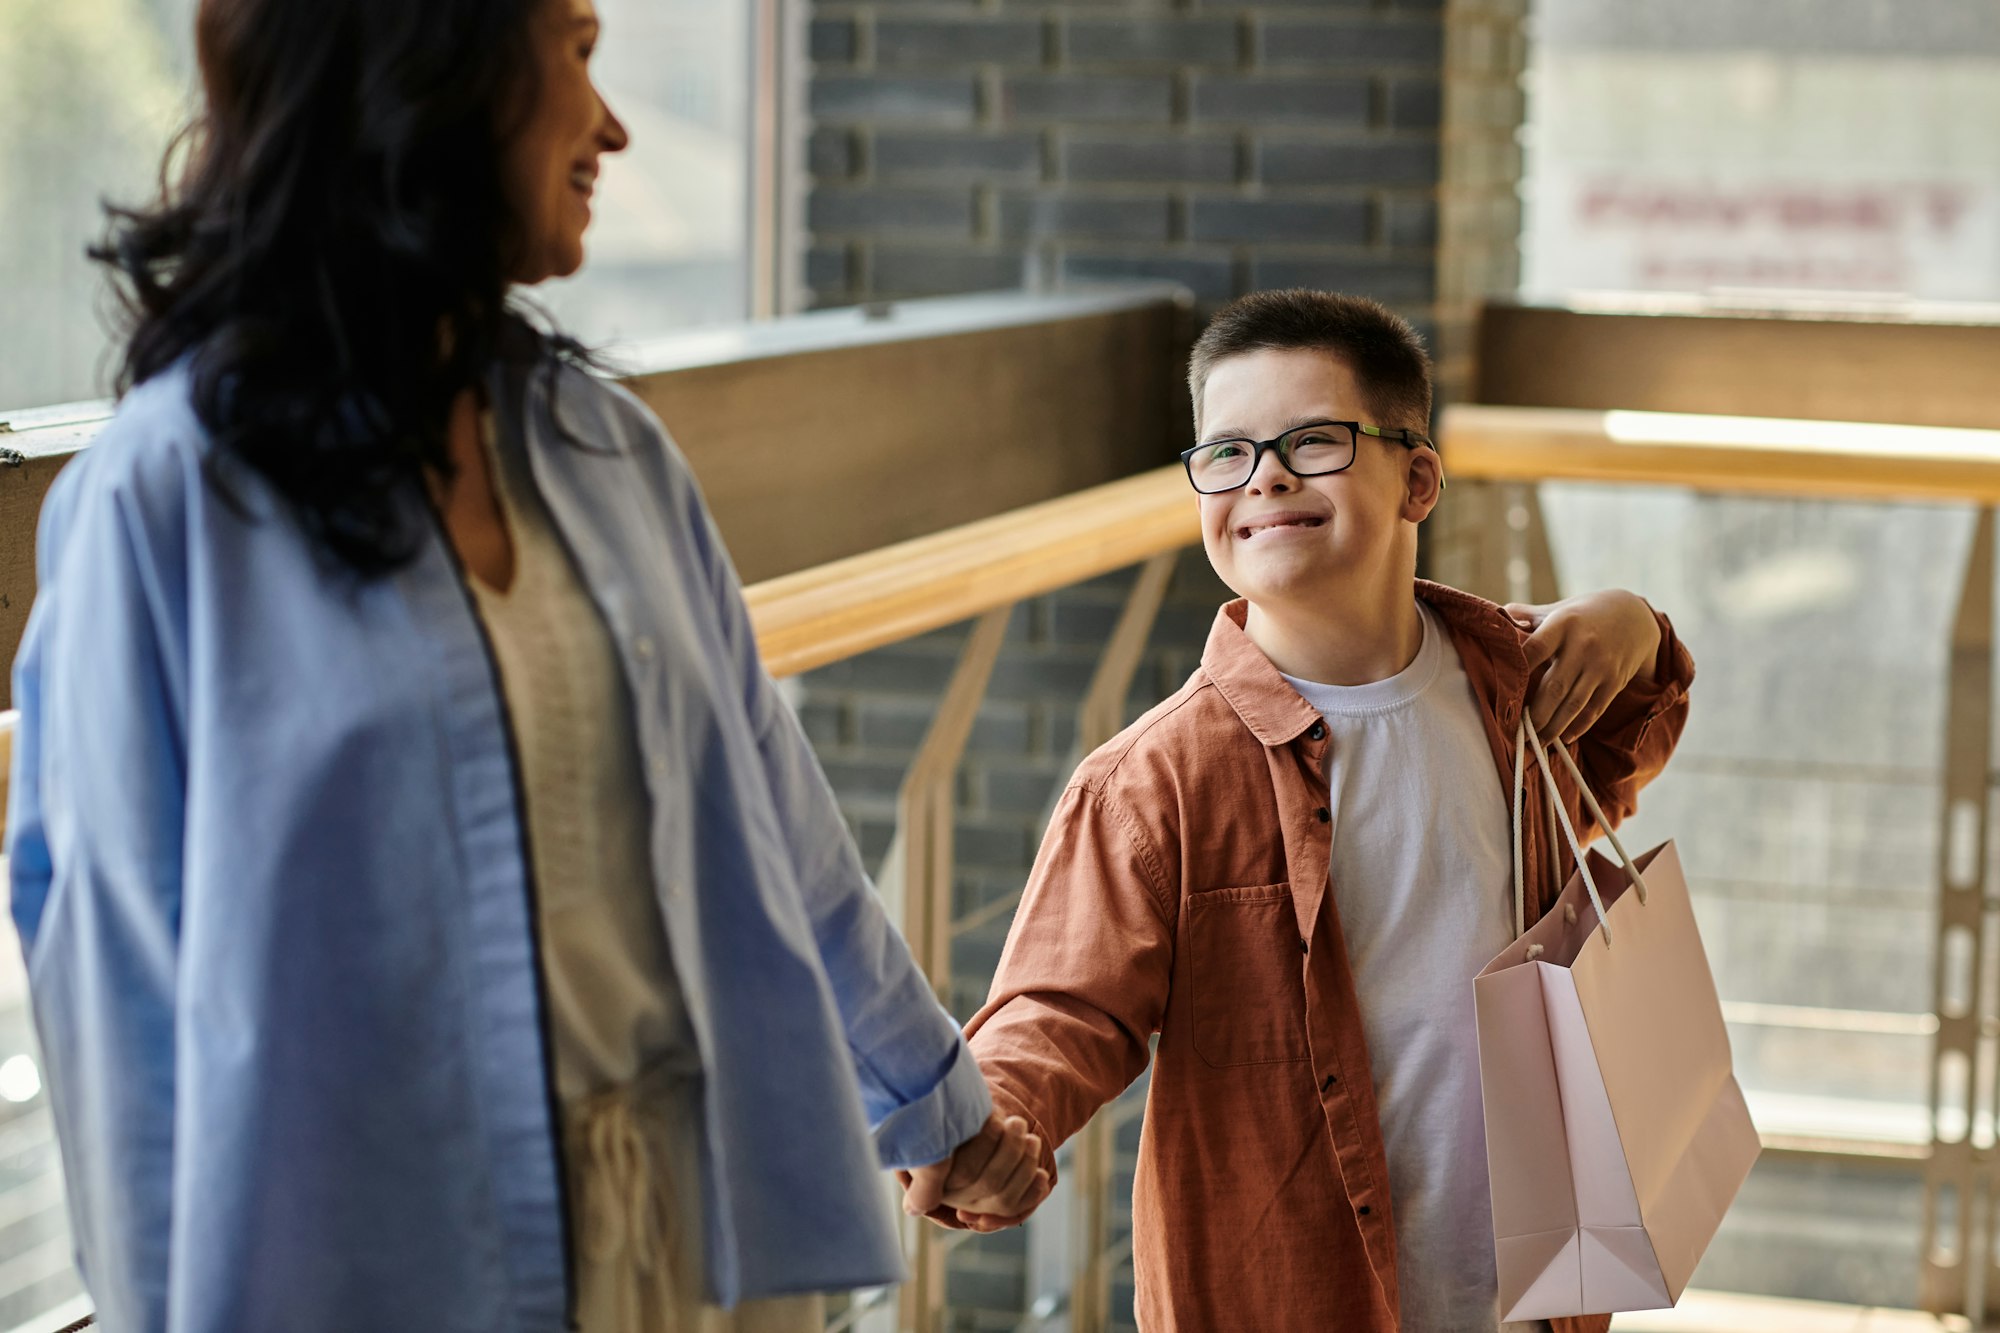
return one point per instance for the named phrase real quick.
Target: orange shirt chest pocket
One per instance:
(1245, 977)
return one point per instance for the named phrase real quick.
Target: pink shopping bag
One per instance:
(1616, 1134)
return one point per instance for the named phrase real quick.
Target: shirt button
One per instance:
(1323, 815)
(1302, 944)
(643, 646)
(1318, 731)
(1364, 1210)
(1330, 1081)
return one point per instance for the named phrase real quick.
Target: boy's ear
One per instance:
(1424, 484)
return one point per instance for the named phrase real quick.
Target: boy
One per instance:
(1292, 869)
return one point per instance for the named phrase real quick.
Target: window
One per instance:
(1817, 154)
(1808, 146)
(90, 90)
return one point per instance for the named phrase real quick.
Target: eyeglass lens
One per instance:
(1308, 451)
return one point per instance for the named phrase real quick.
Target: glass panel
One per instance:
(1805, 801)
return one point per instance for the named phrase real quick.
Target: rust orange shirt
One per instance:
(1182, 890)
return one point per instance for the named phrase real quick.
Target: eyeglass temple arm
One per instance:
(1403, 435)
(1409, 438)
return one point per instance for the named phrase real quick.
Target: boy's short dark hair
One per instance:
(1378, 345)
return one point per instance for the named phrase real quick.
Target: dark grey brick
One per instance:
(1210, 277)
(1335, 42)
(1082, 621)
(1195, 584)
(901, 724)
(1384, 279)
(981, 1290)
(831, 153)
(1293, 4)
(1017, 789)
(1062, 731)
(948, 99)
(829, 269)
(1153, 39)
(977, 954)
(890, 670)
(1312, 162)
(974, 889)
(1415, 104)
(938, 272)
(890, 210)
(980, 156)
(1189, 624)
(1255, 101)
(1082, 97)
(910, 40)
(997, 843)
(1108, 217)
(854, 778)
(873, 836)
(1318, 221)
(1410, 222)
(824, 722)
(1064, 676)
(1138, 158)
(832, 41)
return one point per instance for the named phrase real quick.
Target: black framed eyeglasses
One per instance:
(1306, 451)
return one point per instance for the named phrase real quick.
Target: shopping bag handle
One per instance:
(1524, 734)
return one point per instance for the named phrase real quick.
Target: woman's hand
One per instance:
(1595, 645)
(993, 1180)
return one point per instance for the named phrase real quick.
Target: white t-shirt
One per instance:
(1422, 873)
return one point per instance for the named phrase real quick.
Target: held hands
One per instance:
(993, 1180)
(1595, 645)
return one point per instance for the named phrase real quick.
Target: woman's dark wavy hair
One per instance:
(332, 252)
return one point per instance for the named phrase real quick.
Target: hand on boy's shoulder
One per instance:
(1595, 645)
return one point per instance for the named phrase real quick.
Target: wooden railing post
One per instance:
(1102, 716)
(918, 875)
(1956, 1189)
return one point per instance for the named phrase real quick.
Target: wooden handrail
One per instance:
(1807, 459)
(822, 615)
(845, 607)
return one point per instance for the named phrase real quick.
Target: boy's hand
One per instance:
(1599, 644)
(993, 1180)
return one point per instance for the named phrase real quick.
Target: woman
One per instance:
(434, 918)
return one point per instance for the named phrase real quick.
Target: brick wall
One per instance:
(961, 146)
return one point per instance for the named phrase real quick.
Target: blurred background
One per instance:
(1788, 209)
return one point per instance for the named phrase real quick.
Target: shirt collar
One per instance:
(1489, 643)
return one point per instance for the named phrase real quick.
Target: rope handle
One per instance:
(1522, 736)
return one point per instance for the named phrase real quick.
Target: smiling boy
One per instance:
(1291, 870)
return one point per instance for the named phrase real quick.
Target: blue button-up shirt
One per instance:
(268, 871)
